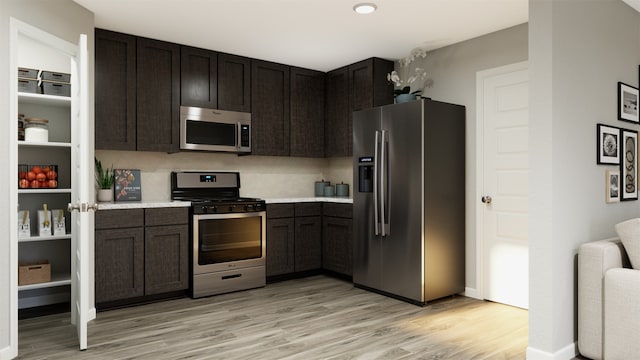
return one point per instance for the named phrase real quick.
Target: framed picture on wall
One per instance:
(628, 103)
(608, 144)
(629, 165)
(613, 186)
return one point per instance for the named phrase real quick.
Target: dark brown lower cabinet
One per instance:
(166, 255)
(280, 243)
(304, 237)
(119, 263)
(308, 236)
(337, 238)
(136, 257)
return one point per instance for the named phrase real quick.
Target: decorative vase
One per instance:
(402, 98)
(105, 195)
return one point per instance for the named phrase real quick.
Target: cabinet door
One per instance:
(158, 93)
(115, 91)
(307, 113)
(198, 77)
(368, 84)
(337, 116)
(166, 266)
(234, 83)
(280, 246)
(119, 264)
(337, 245)
(270, 108)
(361, 85)
(308, 243)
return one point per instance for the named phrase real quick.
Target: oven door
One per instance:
(228, 241)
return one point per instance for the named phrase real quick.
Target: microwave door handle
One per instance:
(238, 135)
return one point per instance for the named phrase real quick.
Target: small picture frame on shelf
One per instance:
(127, 185)
(629, 165)
(612, 186)
(628, 103)
(608, 144)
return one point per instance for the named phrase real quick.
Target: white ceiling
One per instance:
(315, 34)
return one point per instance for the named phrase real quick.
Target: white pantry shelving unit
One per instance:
(57, 151)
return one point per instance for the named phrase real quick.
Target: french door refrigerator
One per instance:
(409, 211)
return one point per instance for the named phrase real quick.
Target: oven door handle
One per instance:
(228, 216)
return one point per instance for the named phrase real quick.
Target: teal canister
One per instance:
(319, 188)
(342, 190)
(329, 191)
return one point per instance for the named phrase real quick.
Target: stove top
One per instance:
(213, 192)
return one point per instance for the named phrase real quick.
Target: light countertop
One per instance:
(334, 199)
(169, 203)
(142, 205)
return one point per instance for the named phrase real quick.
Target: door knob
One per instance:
(486, 199)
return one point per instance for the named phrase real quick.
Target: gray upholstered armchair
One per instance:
(608, 302)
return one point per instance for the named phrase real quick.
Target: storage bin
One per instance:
(56, 88)
(37, 176)
(34, 273)
(54, 76)
(28, 86)
(27, 73)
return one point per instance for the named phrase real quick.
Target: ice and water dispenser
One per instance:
(365, 174)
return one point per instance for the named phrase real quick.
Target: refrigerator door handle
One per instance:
(383, 178)
(375, 185)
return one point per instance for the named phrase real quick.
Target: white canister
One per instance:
(36, 130)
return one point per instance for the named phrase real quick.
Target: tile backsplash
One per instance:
(260, 176)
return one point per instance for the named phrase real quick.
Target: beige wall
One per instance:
(260, 176)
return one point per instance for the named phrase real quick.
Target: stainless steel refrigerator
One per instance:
(409, 194)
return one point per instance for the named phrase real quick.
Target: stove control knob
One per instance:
(248, 208)
(211, 209)
(231, 208)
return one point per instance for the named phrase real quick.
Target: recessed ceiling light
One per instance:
(365, 8)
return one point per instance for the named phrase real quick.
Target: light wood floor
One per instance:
(312, 318)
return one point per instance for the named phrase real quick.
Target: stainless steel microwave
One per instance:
(215, 130)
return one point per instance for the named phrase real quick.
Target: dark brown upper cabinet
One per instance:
(337, 116)
(234, 83)
(115, 90)
(198, 77)
(158, 109)
(307, 113)
(366, 87)
(270, 111)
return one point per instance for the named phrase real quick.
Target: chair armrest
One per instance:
(594, 259)
(621, 314)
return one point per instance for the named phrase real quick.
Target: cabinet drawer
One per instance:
(276, 211)
(166, 216)
(308, 209)
(338, 210)
(114, 219)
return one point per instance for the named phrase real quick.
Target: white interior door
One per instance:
(82, 172)
(504, 191)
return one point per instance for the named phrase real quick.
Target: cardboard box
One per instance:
(34, 273)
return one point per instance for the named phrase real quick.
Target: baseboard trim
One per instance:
(567, 353)
(5, 353)
(472, 293)
(92, 314)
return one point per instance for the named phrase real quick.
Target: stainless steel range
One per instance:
(228, 247)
